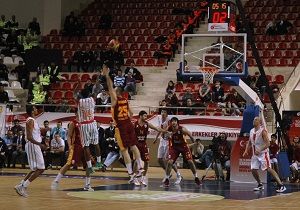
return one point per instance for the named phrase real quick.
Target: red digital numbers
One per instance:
(219, 17)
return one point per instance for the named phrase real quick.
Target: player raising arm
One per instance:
(124, 131)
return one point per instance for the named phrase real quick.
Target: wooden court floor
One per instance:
(41, 197)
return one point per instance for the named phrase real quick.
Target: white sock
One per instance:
(178, 173)
(26, 183)
(87, 181)
(22, 182)
(99, 159)
(129, 168)
(195, 175)
(58, 177)
(89, 164)
(167, 176)
(139, 163)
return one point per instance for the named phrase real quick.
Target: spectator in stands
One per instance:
(136, 73)
(70, 16)
(2, 23)
(57, 148)
(86, 59)
(274, 149)
(119, 80)
(50, 105)
(75, 60)
(34, 26)
(19, 149)
(237, 102)
(130, 84)
(97, 88)
(3, 95)
(80, 27)
(32, 40)
(53, 72)
(17, 127)
(21, 40)
(12, 40)
(171, 99)
(114, 153)
(46, 130)
(217, 92)
(44, 79)
(170, 87)
(228, 109)
(187, 95)
(89, 85)
(105, 20)
(63, 107)
(12, 24)
(39, 96)
(23, 74)
(165, 51)
(103, 98)
(3, 149)
(204, 92)
(102, 79)
(70, 24)
(197, 149)
(271, 28)
(61, 131)
(9, 141)
(283, 25)
(3, 71)
(189, 110)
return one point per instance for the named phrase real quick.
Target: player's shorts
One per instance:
(175, 150)
(34, 156)
(273, 160)
(89, 133)
(163, 149)
(76, 156)
(125, 135)
(144, 150)
(296, 165)
(261, 161)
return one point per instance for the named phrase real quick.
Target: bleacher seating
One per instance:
(136, 25)
(283, 48)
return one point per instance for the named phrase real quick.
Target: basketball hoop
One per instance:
(208, 73)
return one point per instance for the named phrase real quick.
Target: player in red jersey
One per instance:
(76, 156)
(179, 145)
(274, 149)
(141, 127)
(124, 131)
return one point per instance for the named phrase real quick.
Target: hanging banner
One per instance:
(203, 127)
(2, 120)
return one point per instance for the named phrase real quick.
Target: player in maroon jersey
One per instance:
(124, 131)
(141, 127)
(76, 156)
(177, 146)
(274, 148)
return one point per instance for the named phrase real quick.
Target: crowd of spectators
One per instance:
(192, 102)
(280, 27)
(15, 40)
(172, 42)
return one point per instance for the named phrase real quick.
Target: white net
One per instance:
(208, 74)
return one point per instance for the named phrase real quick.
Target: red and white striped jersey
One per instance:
(86, 109)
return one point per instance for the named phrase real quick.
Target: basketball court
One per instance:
(113, 192)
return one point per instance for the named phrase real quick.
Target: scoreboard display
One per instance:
(221, 16)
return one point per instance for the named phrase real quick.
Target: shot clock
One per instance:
(221, 16)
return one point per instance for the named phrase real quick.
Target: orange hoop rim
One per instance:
(208, 69)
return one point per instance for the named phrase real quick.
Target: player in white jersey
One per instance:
(259, 142)
(33, 149)
(88, 128)
(163, 148)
